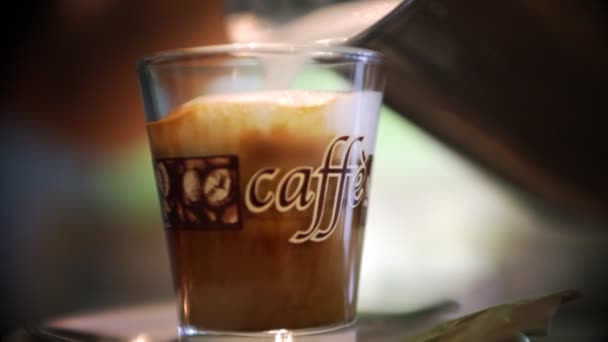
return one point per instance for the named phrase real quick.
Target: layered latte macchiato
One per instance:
(264, 198)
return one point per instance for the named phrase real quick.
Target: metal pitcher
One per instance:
(520, 86)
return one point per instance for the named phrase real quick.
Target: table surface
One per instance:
(158, 321)
(578, 321)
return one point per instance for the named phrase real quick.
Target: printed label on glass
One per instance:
(199, 192)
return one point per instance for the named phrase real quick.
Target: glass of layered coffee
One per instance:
(263, 156)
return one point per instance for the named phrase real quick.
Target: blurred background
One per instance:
(81, 224)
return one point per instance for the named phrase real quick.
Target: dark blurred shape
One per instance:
(80, 220)
(518, 85)
(18, 22)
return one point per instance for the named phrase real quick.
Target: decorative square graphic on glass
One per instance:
(199, 192)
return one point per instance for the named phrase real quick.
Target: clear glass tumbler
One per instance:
(262, 155)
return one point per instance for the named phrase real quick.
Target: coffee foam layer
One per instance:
(216, 124)
(288, 98)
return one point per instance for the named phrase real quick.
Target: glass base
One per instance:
(344, 330)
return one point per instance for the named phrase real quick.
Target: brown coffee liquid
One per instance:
(252, 278)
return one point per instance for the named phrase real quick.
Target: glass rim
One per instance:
(318, 49)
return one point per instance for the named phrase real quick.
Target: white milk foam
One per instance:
(348, 113)
(287, 98)
(215, 124)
